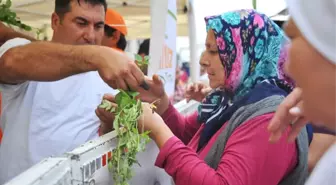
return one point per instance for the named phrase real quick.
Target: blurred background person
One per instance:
(115, 31)
(144, 51)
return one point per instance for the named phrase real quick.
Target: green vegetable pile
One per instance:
(9, 17)
(130, 141)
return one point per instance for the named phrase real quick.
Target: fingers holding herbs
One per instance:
(130, 141)
(152, 122)
(105, 113)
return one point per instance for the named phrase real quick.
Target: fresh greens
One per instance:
(9, 17)
(130, 141)
(142, 62)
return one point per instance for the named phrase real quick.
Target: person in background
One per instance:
(144, 51)
(226, 141)
(179, 87)
(115, 31)
(51, 89)
(185, 72)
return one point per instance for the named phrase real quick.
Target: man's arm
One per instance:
(44, 61)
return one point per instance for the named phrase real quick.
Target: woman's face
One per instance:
(315, 75)
(212, 63)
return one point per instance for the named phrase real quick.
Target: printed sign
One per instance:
(163, 42)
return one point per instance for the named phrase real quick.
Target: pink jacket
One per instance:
(248, 159)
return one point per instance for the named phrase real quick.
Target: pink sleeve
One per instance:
(248, 159)
(184, 127)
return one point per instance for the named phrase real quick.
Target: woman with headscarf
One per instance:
(226, 141)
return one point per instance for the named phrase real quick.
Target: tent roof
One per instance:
(37, 13)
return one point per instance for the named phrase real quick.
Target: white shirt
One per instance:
(325, 170)
(42, 119)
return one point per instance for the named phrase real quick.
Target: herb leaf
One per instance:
(130, 141)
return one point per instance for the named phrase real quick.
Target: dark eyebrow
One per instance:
(81, 19)
(100, 23)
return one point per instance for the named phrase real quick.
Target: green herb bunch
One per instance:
(130, 141)
(9, 17)
(142, 62)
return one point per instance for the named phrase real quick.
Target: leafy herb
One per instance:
(10, 18)
(130, 141)
(142, 62)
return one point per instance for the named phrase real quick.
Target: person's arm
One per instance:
(184, 127)
(44, 61)
(248, 158)
(320, 144)
(7, 33)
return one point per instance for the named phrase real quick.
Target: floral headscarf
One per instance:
(253, 49)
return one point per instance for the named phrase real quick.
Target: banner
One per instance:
(163, 42)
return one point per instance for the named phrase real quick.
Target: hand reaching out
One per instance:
(197, 92)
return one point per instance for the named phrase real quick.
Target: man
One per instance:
(115, 31)
(50, 90)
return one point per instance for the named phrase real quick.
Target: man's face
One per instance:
(83, 24)
(315, 75)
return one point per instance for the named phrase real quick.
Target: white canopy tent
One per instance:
(37, 13)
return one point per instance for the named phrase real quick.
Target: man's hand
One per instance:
(197, 92)
(106, 117)
(118, 70)
(289, 112)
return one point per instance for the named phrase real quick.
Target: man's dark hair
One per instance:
(63, 6)
(144, 47)
(122, 43)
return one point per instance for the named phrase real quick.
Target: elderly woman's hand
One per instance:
(155, 93)
(106, 118)
(289, 112)
(151, 121)
(197, 91)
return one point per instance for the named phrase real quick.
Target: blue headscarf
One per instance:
(253, 50)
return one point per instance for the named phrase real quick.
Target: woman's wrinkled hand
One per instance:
(197, 91)
(106, 117)
(151, 121)
(155, 93)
